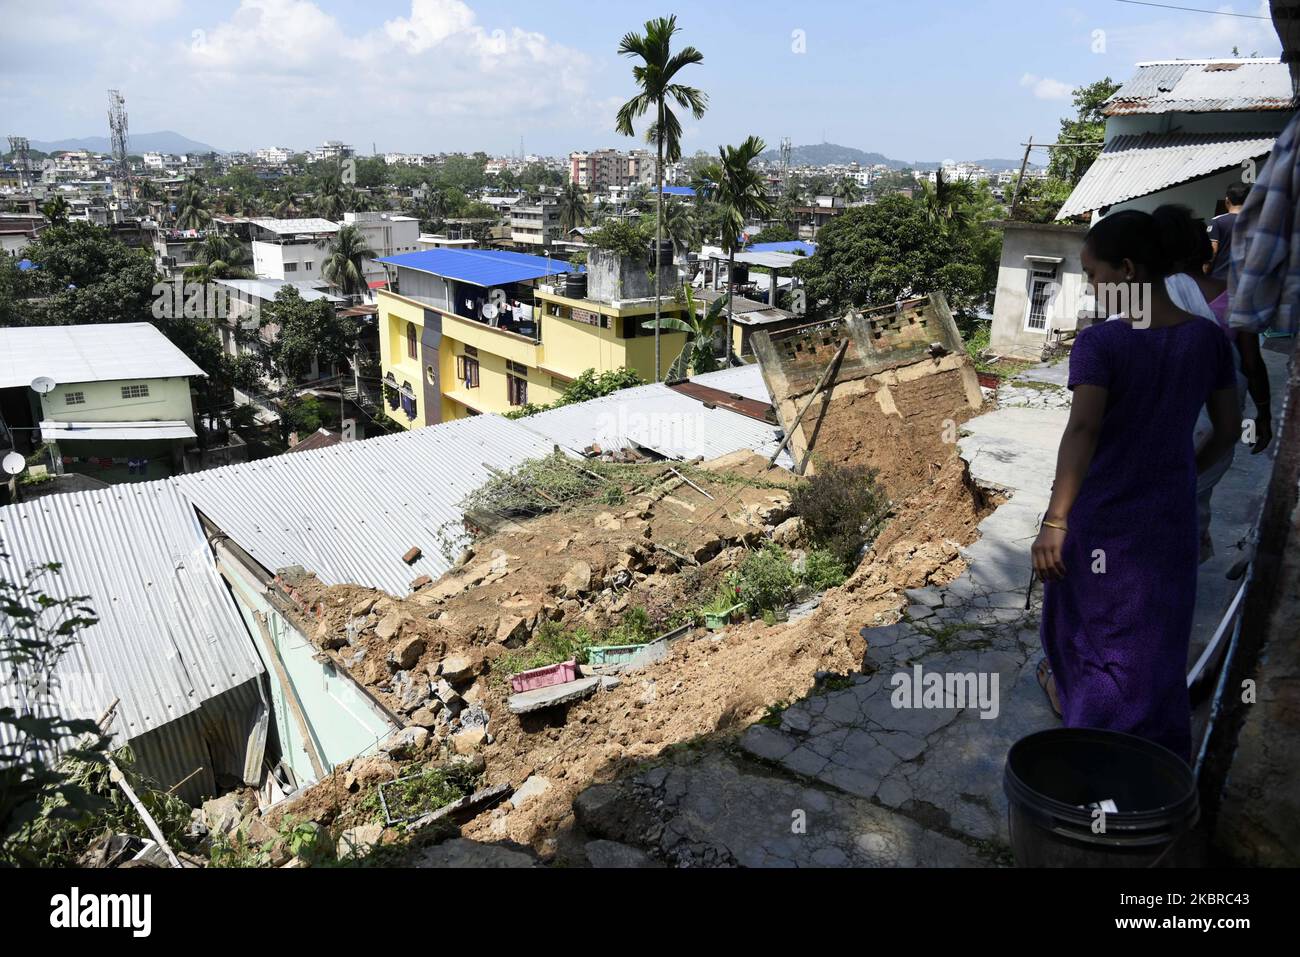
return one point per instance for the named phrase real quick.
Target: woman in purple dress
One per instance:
(1117, 550)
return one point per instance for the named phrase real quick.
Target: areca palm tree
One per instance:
(683, 226)
(847, 189)
(655, 76)
(219, 257)
(344, 263)
(700, 326)
(738, 189)
(574, 210)
(947, 202)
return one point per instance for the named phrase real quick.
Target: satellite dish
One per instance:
(14, 463)
(489, 311)
(43, 384)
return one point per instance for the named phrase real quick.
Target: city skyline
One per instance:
(429, 76)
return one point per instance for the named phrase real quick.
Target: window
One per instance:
(516, 390)
(412, 343)
(1042, 290)
(74, 398)
(307, 264)
(290, 267)
(467, 371)
(138, 391)
(471, 351)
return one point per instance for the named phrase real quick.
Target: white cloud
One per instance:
(1045, 88)
(1192, 35)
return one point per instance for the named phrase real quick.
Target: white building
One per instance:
(387, 234)
(290, 249)
(273, 155)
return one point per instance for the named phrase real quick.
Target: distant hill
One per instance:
(162, 142)
(826, 154)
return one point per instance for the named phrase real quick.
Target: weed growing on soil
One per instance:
(427, 791)
(767, 580)
(772, 716)
(841, 507)
(823, 570)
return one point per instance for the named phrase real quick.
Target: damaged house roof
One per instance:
(1204, 86)
(350, 512)
(168, 640)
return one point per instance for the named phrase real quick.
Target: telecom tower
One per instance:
(22, 157)
(787, 150)
(117, 137)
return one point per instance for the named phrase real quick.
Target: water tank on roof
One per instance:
(575, 285)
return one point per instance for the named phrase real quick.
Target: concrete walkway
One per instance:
(879, 782)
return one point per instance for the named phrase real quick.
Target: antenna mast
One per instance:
(117, 137)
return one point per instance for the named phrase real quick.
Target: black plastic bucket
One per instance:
(1054, 780)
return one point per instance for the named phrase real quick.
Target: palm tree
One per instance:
(683, 226)
(700, 326)
(740, 194)
(847, 189)
(57, 210)
(946, 202)
(219, 257)
(574, 211)
(654, 75)
(343, 266)
(192, 207)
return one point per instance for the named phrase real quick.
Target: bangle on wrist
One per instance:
(1051, 524)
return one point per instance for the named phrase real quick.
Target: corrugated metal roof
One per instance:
(96, 352)
(349, 513)
(480, 267)
(52, 431)
(289, 227)
(654, 417)
(1137, 165)
(168, 637)
(746, 380)
(1204, 86)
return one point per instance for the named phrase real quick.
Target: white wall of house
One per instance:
(128, 400)
(292, 261)
(1034, 257)
(387, 235)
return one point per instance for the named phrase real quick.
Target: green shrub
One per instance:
(823, 570)
(841, 507)
(766, 579)
(549, 645)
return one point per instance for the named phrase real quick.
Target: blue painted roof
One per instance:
(679, 191)
(796, 246)
(480, 267)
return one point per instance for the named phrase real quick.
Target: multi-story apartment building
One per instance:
(273, 155)
(601, 169)
(467, 331)
(536, 225)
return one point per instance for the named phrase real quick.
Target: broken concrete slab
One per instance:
(460, 852)
(612, 854)
(540, 698)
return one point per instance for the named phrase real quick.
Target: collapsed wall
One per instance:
(903, 387)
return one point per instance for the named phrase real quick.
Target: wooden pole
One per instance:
(1024, 163)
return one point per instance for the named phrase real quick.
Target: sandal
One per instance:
(1047, 682)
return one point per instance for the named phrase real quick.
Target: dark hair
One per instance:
(1130, 234)
(1184, 238)
(1237, 192)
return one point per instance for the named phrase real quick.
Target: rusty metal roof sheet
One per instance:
(1204, 86)
(1137, 165)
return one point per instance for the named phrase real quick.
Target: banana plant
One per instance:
(697, 356)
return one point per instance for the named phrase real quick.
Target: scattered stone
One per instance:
(534, 787)
(407, 653)
(788, 532)
(389, 626)
(420, 582)
(461, 852)
(426, 717)
(512, 631)
(362, 608)
(930, 596)
(406, 743)
(469, 740)
(456, 668)
(609, 682)
(576, 581)
(223, 814)
(357, 841)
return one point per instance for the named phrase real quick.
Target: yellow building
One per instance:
(466, 331)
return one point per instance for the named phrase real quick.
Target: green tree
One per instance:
(37, 630)
(947, 202)
(875, 255)
(1087, 126)
(574, 209)
(655, 76)
(219, 257)
(56, 210)
(344, 264)
(740, 192)
(848, 189)
(682, 225)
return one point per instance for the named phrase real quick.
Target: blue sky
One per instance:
(917, 79)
